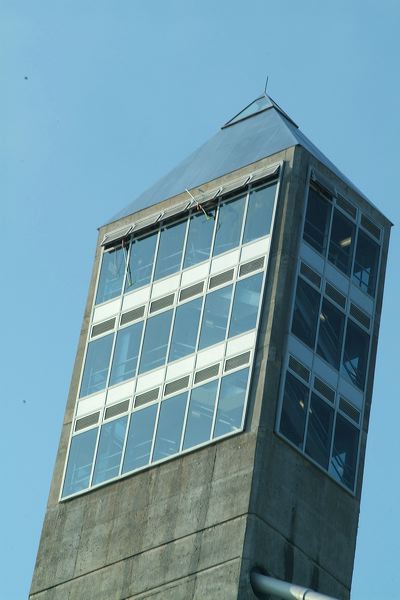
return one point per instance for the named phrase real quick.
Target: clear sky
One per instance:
(99, 98)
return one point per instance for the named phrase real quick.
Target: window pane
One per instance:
(305, 314)
(126, 353)
(80, 462)
(109, 450)
(200, 415)
(186, 327)
(355, 356)
(96, 365)
(229, 225)
(294, 410)
(215, 317)
(169, 429)
(316, 226)
(342, 242)
(319, 431)
(365, 270)
(201, 227)
(155, 341)
(245, 304)
(344, 454)
(259, 213)
(330, 335)
(231, 403)
(141, 262)
(140, 437)
(169, 255)
(111, 275)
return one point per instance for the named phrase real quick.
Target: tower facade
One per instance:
(218, 410)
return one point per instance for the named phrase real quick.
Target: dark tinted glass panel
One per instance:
(169, 255)
(231, 399)
(140, 436)
(330, 334)
(80, 462)
(319, 431)
(229, 225)
(306, 311)
(259, 213)
(109, 450)
(344, 454)
(316, 226)
(96, 365)
(365, 269)
(186, 327)
(245, 304)
(294, 410)
(200, 415)
(155, 341)
(169, 429)
(355, 355)
(198, 245)
(215, 317)
(141, 262)
(111, 275)
(126, 353)
(341, 244)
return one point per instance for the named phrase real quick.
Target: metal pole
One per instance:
(262, 584)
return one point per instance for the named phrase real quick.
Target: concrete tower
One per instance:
(218, 411)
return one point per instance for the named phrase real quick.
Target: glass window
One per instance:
(355, 355)
(155, 341)
(140, 437)
(330, 334)
(365, 270)
(96, 365)
(169, 255)
(231, 403)
(80, 462)
(294, 410)
(200, 414)
(109, 450)
(245, 304)
(126, 353)
(342, 242)
(229, 225)
(169, 429)
(316, 226)
(305, 314)
(319, 431)
(186, 328)
(111, 274)
(141, 262)
(259, 213)
(215, 317)
(201, 228)
(344, 454)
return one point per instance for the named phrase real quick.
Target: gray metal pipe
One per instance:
(262, 584)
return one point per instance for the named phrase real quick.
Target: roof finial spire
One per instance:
(266, 85)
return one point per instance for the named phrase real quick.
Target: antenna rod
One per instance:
(266, 85)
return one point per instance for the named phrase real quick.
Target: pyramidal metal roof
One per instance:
(261, 129)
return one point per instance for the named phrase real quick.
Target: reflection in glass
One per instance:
(231, 403)
(96, 365)
(294, 410)
(365, 270)
(305, 314)
(155, 341)
(169, 255)
(245, 304)
(80, 462)
(316, 226)
(319, 431)
(355, 355)
(259, 213)
(215, 317)
(201, 227)
(140, 262)
(126, 353)
(111, 274)
(330, 334)
(109, 450)
(229, 225)
(344, 454)
(186, 327)
(342, 242)
(140, 436)
(200, 415)
(169, 429)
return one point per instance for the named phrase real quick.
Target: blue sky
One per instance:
(101, 98)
